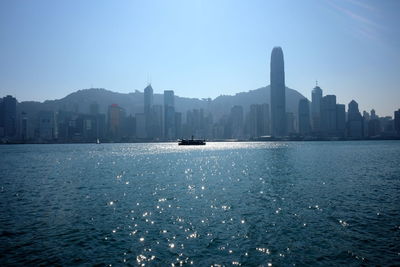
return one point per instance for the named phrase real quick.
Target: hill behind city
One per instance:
(80, 101)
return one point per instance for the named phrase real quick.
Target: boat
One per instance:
(192, 142)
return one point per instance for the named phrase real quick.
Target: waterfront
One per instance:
(260, 203)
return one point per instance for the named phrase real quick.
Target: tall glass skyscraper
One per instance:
(278, 100)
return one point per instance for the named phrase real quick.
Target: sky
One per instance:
(201, 49)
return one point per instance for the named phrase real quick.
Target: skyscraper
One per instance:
(9, 116)
(354, 121)
(169, 114)
(148, 99)
(148, 114)
(278, 105)
(397, 121)
(316, 97)
(328, 115)
(304, 116)
(116, 116)
(341, 120)
(236, 121)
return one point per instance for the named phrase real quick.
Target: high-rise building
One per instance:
(316, 97)
(328, 115)
(24, 133)
(257, 120)
(236, 122)
(374, 127)
(397, 121)
(148, 104)
(9, 116)
(354, 121)
(47, 125)
(169, 114)
(373, 115)
(178, 124)
(157, 122)
(140, 120)
(341, 120)
(116, 116)
(148, 99)
(278, 104)
(304, 116)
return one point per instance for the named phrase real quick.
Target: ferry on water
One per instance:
(192, 142)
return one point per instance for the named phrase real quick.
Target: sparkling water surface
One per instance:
(249, 204)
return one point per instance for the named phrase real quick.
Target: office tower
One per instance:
(374, 127)
(304, 116)
(140, 119)
(178, 124)
(316, 97)
(397, 121)
(116, 116)
(328, 115)
(148, 103)
(341, 120)
(354, 121)
(47, 125)
(373, 115)
(157, 122)
(148, 99)
(24, 127)
(130, 123)
(169, 114)
(278, 105)
(236, 122)
(9, 107)
(257, 120)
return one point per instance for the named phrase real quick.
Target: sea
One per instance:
(222, 204)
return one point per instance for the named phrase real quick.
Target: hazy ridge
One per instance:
(133, 102)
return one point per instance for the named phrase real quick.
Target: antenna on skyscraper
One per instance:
(148, 79)
(316, 83)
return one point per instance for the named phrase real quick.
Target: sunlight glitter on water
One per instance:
(246, 204)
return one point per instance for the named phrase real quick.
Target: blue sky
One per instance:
(49, 49)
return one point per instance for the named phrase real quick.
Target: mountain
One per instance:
(80, 101)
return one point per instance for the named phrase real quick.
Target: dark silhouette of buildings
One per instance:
(258, 120)
(355, 121)
(169, 114)
(304, 117)
(8, 116)
(148, 111)
(278, 101)
(316, 98)
(116, 117)
(340, 120)
(397, 121)
(328, 115)
(236, 118)
(320, 119)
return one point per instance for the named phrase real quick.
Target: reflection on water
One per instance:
(223, 203)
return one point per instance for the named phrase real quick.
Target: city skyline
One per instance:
(353, 53)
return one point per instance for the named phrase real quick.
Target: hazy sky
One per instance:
(49, 49)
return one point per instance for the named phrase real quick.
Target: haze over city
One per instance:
(201, 48)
